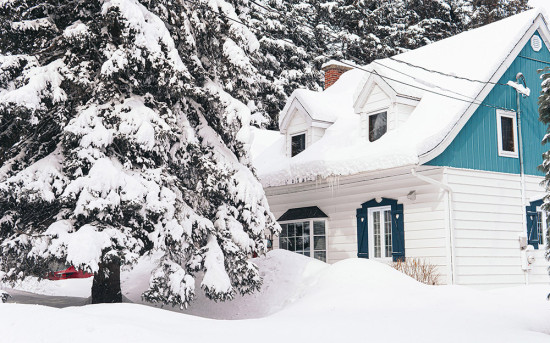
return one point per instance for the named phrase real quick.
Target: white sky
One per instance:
(541, 3)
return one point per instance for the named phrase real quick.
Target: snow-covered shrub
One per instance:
(419, 269)
(4, 296)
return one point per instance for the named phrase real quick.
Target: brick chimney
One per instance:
(333, 70)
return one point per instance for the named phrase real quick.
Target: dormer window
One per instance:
(378, 125)
(298, 144)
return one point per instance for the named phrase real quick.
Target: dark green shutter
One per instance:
(362, 234)
(532, 232)
(398, 233)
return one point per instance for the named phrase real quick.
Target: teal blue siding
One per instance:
(476, 145)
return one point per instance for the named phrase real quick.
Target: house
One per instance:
(431, 154)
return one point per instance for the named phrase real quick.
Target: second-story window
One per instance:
(298, 144)
(507, 133)
(378, 125)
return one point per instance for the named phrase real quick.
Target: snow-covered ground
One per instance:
(302, 300)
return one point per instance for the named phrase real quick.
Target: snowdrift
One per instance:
(301, 300)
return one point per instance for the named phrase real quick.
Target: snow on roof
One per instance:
(347, 64)
(328, 105)
(477, 54)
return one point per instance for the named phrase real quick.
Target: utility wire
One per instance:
(445, 74)
(353, 66)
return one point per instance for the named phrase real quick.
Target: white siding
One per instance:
(403, 112)
(488, 219)
(316, 134)
(425, 234)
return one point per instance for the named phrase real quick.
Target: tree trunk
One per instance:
(106, 285)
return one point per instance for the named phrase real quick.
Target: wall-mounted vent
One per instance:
(536, 43)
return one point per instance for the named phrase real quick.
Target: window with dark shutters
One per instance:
(532, 219)
(397, 235)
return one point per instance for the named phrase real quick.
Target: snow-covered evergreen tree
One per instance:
(544, 117)
(484, 12)
(291, 49)
(124, 129)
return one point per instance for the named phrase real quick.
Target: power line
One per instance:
(408, 75)
(463, 99)
(445, 74)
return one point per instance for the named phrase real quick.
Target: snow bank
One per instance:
(302, 300)
(285, 279)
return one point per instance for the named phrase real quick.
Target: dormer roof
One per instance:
(322, 108)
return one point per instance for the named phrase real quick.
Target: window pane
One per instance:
(306, 243)
(306, 228)
(283, 243)
(376, 233)
(283, 231)
(377, 125)
(291, 230)
(299, 229)
(306, 253)
(299, 243)
(539, 228)
(298, 144)
(387, 238)
(507, 127)
(319, 243)
(321, 255)
(319, 228)
(292, 244)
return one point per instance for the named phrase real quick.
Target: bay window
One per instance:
(305, 237)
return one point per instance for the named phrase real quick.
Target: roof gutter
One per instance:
(450, 223)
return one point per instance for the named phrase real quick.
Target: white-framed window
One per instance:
(297, 144)
(306, 237)
(378, 125)
(507, 133)
(542, 227)
(380, 234)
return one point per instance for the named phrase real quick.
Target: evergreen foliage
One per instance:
(484, 12)
(124, 132)
(544, 117)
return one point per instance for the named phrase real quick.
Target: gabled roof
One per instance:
(444, 103)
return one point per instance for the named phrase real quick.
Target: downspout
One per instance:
(449, 192)
(519, 77)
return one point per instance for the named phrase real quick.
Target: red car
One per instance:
(69, 273)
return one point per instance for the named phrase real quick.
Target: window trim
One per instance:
(305, 141)
(369, 115)
(311, 235)
(370, 220)
(544, 227)
(513, 116)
